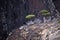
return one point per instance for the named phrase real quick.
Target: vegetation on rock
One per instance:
(44, 12)
(30, 16)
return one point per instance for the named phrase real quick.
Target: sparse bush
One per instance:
(44, 12)
(30, 16)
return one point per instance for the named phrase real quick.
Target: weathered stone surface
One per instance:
(43, 31)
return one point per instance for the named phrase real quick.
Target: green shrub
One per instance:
(44, 12)
(58, 21)
(30, 16)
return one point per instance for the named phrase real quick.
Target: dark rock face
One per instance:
(56, 3)
(13, 12)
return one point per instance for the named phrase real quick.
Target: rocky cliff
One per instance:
(13, 12)
(41, 31)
